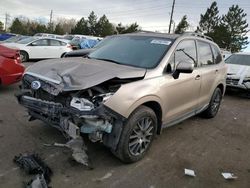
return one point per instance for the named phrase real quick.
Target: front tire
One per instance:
(137, 135)
(214, 104)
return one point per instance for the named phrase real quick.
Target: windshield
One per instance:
(137, 51)
(26, 40)
(238, 59)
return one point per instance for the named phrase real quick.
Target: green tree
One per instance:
(41, 28)
(221, 36)
(58, 29)
(81, 27)
(17, 27)
(132, 28)
(128, 29)
(92, 21)
(120, 28)
(182, 25)
(1, 26)
(104, 27)
(210, 19)
(50, 27)
(236, 24)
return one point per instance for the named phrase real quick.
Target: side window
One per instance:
(217, 54)
(185, 52)
(205, 53)
(63, 43)
(41, 42)
(55, 43)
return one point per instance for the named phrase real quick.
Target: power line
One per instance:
(7, 18)
(171, 17)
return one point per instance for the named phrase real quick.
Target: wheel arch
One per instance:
(221, 87)
(152, 102)
(156, 107)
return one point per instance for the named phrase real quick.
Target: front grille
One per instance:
(40, 93)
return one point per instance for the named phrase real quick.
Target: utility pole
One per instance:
(7, 17)
(50, 21)
(171, 16)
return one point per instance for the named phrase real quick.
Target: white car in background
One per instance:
(41, 48)
(238, 74)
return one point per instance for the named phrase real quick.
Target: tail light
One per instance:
(18, 57)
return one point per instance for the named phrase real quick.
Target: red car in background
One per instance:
(11, 68)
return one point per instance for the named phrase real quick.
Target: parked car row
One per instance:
(44, 45)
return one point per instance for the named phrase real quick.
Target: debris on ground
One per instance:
(106, 176)
(189, 172)
(79, 151)
(38, 182)
(33, 164)
(228, 176)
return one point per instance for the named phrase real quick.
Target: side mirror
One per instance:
(31, 44)
(183, 67)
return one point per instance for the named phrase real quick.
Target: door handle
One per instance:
(197, 77)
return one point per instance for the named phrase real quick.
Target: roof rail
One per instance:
(198, 35)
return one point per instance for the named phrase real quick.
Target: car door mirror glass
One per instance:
(183, 67)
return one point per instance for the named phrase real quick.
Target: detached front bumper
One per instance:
(68, 119)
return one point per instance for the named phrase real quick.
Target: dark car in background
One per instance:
(5, 36)
(14, 39)
(11, 68)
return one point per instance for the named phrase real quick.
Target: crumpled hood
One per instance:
(81, 73)
(238, 71)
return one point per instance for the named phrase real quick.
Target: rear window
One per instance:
(205, 53)
(217, 55)
(238, 59)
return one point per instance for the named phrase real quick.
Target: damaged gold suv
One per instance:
(125, 92)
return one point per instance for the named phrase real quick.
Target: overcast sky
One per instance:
(149, 14)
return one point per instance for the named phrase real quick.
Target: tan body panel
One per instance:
(177, 97)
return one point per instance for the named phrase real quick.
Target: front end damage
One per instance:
(74, 112)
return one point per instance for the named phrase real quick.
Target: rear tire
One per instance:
(24, 56)
(214, 104)
(137, 135)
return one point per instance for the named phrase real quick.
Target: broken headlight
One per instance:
(101, 98)
(82, 104)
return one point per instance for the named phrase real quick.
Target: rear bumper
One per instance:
(11, 79)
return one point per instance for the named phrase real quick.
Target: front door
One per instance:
(181, 95)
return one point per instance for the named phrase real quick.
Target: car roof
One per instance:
(172, 36)
(153, 34)
(242, 53)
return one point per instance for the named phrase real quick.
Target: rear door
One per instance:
(210, 69)
(56, 48)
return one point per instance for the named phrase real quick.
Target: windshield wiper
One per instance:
(109, 60)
